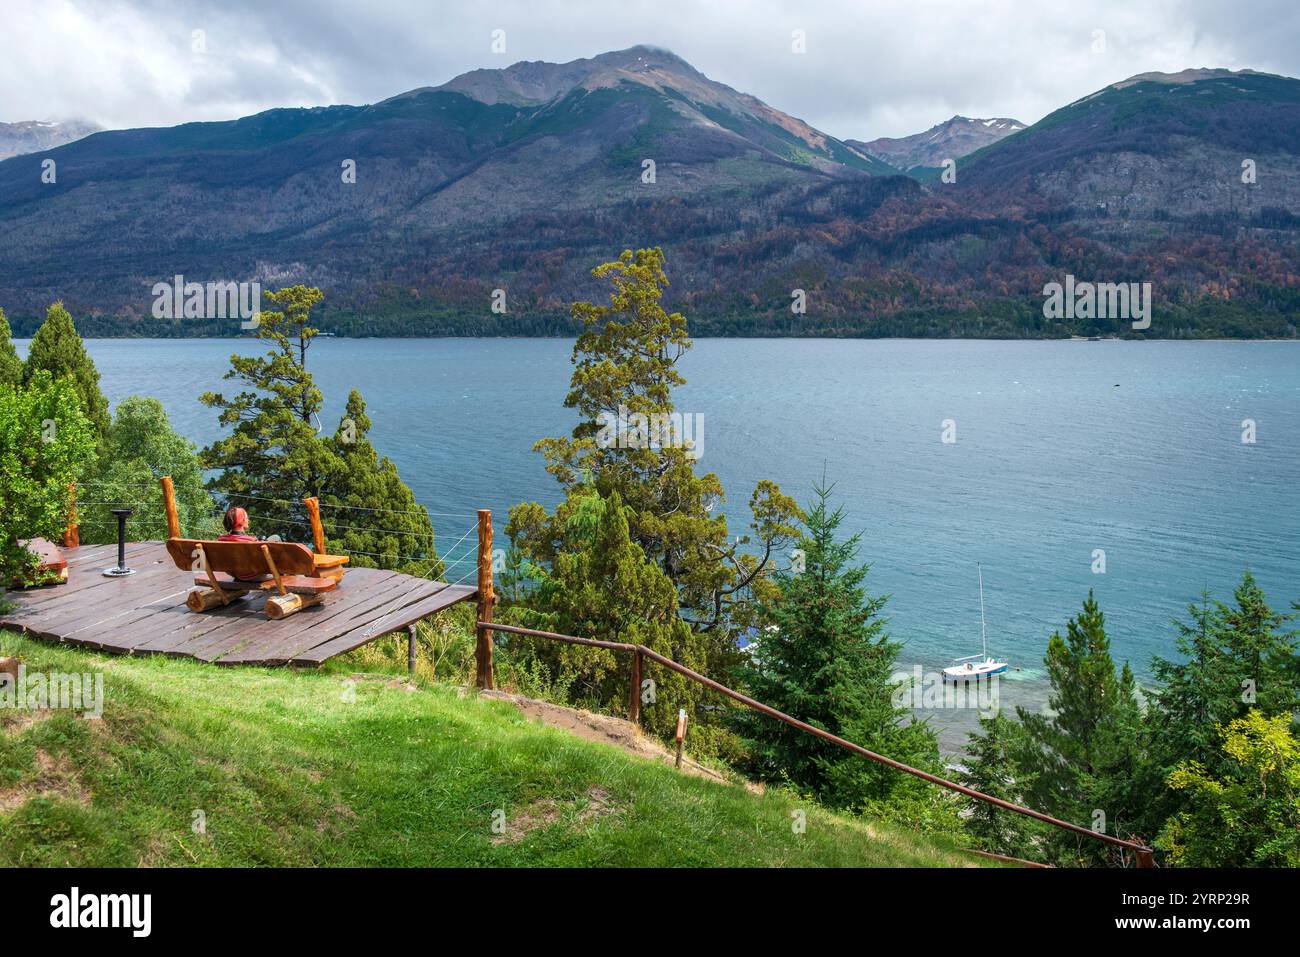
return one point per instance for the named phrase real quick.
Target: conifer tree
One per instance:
(625, 367)
(57, 349)
(825, 657)
(1081, 756)
(990, 767)
(625, 362)
(11, 367)
(274, 456)
(1234, 658)
(1247, 814)
(400, 536)
(601, 584)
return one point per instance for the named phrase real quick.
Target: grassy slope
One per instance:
(289, 773)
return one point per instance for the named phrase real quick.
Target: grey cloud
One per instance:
(871, 69)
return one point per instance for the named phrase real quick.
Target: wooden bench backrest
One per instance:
(243, 559)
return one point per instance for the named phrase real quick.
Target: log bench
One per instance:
(228, 571)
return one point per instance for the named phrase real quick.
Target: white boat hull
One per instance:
(974, 670)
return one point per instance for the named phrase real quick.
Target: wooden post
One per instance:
(169, 504)
(681, 733)
(71, 534)
(410, 647)
(1145, 858)
(486, 599)
(634, 695)
(317, 532)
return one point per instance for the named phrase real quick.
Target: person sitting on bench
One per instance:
(236, 522)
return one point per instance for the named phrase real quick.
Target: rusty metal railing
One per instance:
(1142, 854)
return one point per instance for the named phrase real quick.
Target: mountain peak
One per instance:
(35, 136)
(1192, 75)
(951, 139)
(533, 82)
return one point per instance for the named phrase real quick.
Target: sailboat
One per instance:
(975, 667)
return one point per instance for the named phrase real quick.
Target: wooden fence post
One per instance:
(634, 695)
(169, 506)
(317, 532)
(71, 533)
(411, 632)
(486, 599)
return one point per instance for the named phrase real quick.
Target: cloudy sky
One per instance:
(871, 67)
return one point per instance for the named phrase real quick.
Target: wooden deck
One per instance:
(145, 613)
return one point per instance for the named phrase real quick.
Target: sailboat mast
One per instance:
(984, 641)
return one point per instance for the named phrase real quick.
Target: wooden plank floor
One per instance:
(145, 613)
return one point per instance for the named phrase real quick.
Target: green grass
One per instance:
(287, 772)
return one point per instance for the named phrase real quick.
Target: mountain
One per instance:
(264, 197)
(522, 179)
(35, 136)
(1155, 146)
(951, 139)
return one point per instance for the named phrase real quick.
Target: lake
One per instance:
(1062, 449)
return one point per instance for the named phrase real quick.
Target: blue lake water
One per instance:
(1061, 448)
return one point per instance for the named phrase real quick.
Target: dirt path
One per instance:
(601, 727)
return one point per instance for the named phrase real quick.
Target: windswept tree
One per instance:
(633, 442)
(11, 367)
(57, 349)
(46, 441)
(274, 456)
(824, 656)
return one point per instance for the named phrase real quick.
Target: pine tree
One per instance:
(625, 362)
(1234, 658)
(600, 584)
(400, 536)
(11, 367)
(273, 457)
(625, 367)
(1080, 757)
(57, 349)
(823, 656)
(991, 768)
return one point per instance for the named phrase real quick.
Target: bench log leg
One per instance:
(282, 606)
(204, 599)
